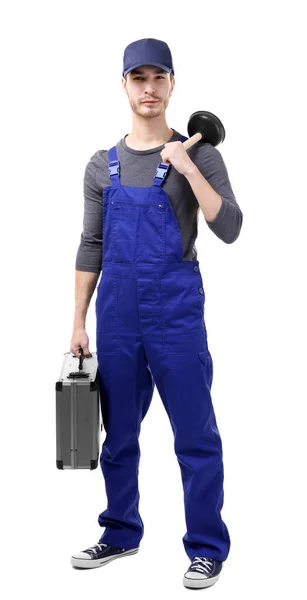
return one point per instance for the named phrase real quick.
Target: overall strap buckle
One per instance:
(114, 168)
(160, 174)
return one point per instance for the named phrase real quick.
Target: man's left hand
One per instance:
(175, 154)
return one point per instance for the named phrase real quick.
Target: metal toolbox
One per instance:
(78, 416)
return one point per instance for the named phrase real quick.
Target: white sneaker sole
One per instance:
(90, 563)
(199, 583)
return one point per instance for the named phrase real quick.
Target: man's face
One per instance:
(148, 83)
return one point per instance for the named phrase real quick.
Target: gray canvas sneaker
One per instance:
(202, 572)
(99, 555)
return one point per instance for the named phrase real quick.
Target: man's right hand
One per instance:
(80, 340)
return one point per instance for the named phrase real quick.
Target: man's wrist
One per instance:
(79, 325)
(191, 171)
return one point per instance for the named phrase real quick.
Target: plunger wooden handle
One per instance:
(192, 140)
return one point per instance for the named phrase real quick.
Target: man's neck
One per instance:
(145, 138)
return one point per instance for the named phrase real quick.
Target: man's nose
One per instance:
(150, 87)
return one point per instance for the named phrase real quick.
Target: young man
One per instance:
(139, 230)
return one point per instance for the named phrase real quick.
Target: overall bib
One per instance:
(151, 331)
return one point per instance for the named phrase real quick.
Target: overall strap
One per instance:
(163, 169)
(114, 167)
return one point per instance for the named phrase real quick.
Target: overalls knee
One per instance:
(151, 331)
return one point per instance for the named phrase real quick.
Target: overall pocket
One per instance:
(138, 232)
(106, 315)
(124, 228)
(207, 361)
(183, 323)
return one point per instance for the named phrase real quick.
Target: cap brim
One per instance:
(152, 64)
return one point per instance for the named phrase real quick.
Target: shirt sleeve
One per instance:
(228, 221)
(89, 253)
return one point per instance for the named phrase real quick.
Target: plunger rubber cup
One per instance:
(206, 127)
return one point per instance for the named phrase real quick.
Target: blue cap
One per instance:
(147, 51)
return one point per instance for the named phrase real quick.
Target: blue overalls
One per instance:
(151, 330)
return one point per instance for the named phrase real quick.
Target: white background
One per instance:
(62, 100)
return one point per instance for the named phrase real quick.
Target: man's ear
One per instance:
(173, 85)
(124, 84)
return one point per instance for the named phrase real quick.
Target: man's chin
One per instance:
(151, 111)
(148, 114)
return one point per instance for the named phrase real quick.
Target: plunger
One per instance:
(206, 127)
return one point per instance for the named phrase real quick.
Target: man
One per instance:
(139, 230)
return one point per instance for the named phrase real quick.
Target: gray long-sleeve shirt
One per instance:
(138, 169)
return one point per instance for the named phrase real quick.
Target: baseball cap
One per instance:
(147, 51)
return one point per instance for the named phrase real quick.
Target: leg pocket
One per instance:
(184, 329)
(106, 315)
(207, 361)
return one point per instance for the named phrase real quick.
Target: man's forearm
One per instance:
(85, 283)
(209, 201)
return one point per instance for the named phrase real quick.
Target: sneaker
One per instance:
(98, 555)
(202, 572)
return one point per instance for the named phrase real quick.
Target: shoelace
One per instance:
(96, 548)
(201, 564)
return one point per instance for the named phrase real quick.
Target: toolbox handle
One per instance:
(81, 359)
(79, 374)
